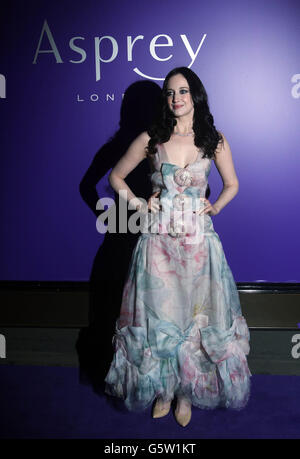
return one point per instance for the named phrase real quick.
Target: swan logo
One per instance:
(2, 87)
(2, 347)
(108, 46)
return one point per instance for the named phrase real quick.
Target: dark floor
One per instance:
(42, 394)
(50, 402)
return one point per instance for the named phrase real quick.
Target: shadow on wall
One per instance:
(111, 263)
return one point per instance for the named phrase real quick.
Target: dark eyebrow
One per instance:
(181, 87)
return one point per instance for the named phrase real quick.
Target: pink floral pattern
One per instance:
(181, 328)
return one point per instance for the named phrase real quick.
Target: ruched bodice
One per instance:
(194, 175)
(182, 190)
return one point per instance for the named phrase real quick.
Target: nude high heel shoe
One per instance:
(183, 418)
(161, 408)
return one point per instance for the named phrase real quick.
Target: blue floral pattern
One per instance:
(180, 329)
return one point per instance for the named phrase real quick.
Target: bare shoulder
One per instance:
(133, 156)
(223, 143)
(224, 161)
(139, 145)
(143, 138)
(223, 151)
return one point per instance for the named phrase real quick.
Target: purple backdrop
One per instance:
(57, 111)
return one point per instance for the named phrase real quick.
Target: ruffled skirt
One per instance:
(180, 330)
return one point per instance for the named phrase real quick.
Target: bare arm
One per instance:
(133, 156)
(225, 166)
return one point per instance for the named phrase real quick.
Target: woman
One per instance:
(181, 333)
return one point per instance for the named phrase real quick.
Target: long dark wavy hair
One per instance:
(206, 136)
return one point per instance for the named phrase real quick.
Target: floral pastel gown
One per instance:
(180, 329)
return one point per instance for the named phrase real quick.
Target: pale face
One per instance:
(179, 97)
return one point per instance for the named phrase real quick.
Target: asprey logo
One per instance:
(2, 87)
(2, 347)
(102, 44)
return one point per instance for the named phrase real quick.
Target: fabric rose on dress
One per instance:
(183, 177)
